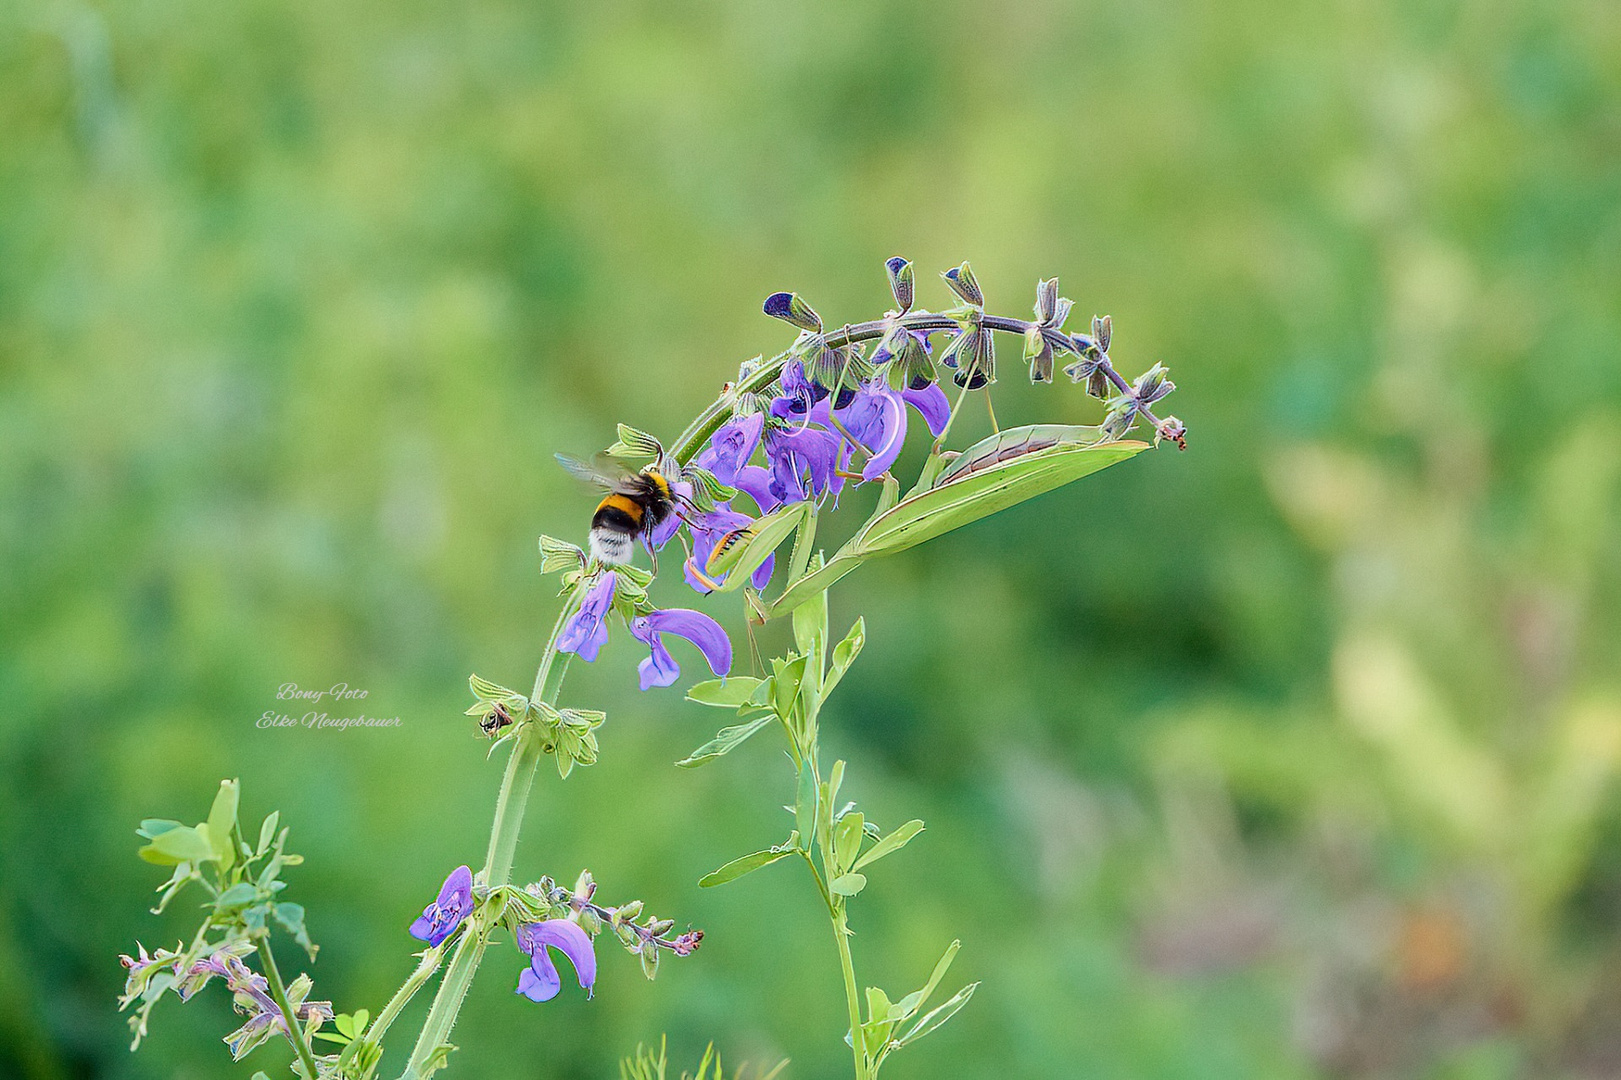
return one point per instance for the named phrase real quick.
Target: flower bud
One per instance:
(1038, 353)
(1173, 429)
(1102, 331)
(961, 280)
(900, 283)
(790, 308)
(1046, 301)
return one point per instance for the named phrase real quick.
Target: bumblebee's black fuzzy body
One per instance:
(636, 505)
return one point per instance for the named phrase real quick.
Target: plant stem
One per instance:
(431, 959)
(841, 934)
(509, 807)
(447, 1002)
(278, 992)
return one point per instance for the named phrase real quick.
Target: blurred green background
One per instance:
(1289, 756)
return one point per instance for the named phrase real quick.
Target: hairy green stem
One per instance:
(431, 959)
(509, 806)
(841, 934)
(278, 992)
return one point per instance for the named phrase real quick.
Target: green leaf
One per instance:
(745, 865)
(291, 918)
(787, 689)
(221, 820)
(725, 742)
(753, 544)
(805, 805)
(875, 1031)
(848, 884)
(730, 693)
(890, 844)
(937, 1016)
(847, 840)
(844, 654)
(152, 828)
(267, 833)
(241, 894)
(184, 844)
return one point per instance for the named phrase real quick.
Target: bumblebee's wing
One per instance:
(601, 472)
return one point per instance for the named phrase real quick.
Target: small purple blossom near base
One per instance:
(455, 902)
(251, 997)
(540, 980)
(586, 631)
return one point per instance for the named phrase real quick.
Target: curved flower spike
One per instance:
(660, 668)
(587, 629)
(540, 981)
(440, 918)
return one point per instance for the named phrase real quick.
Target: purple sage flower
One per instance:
(440, 918)
(660, 668)
(755, 482)
(587, 629)
(540, 981)
(876, 419)
(800, 454)
(731, 447)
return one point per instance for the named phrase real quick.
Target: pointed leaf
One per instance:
(844, 654)
(184, 844)
(805, 806)
(725, 742)
(890, 844)
(745, 865)
(221, 820)
(730, 693)
(935, 1017)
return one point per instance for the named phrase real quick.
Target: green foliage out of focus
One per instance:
(1293, 755)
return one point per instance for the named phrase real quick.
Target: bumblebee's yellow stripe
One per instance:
(624, 504)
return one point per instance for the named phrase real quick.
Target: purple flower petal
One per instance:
(932, 404)
(755, 482)
(660, 668)
(731, 447)
(540, 981)
(587, 630)
(762, 574)
(454, 903)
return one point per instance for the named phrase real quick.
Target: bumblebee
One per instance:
(636, 504)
